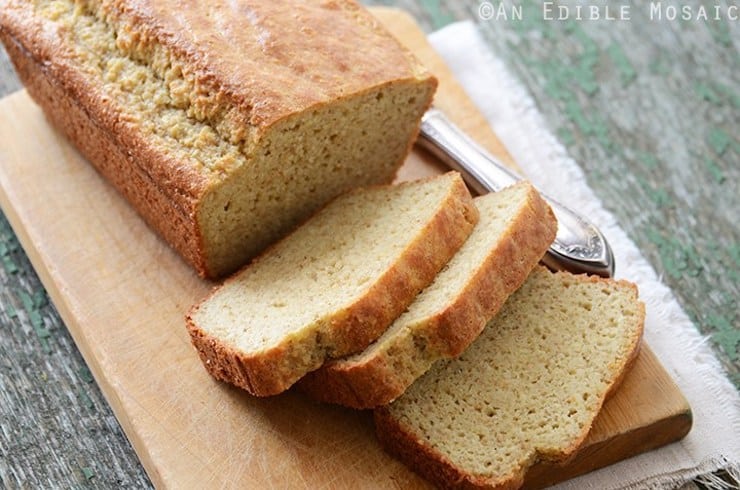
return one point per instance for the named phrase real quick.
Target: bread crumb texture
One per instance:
(528, 388)
(335, 284)
(515, 229)
(276, 121)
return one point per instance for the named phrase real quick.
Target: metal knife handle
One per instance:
(578, 247)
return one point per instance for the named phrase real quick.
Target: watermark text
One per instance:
(654, 11)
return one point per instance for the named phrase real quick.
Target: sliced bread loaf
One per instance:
(334, 285)
(529, 387)
(516, 226)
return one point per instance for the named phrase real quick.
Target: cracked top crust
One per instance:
(235, 43)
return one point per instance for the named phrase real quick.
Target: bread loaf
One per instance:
(225, 123)
(332, 286)
(515, 229)
(528, 388)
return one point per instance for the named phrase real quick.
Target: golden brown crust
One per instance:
(86, 117)
(167, 192)
(378, 380)
(272, 371)
(247, 39)
(437, 468)
(164, 192)
(178, 181)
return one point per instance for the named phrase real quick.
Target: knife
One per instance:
(578, 247)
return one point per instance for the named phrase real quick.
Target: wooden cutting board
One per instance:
(123, 294)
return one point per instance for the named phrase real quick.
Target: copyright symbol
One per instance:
(485, 11)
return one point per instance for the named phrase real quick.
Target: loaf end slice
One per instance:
(528, 388)
(515, 229)
(334, 285)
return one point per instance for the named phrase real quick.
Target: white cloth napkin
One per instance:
(714, 441)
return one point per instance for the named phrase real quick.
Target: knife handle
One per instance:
(578, 246)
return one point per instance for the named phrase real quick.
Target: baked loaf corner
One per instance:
(515, 229)
(226, 123)
(528, 388)
(334, 285)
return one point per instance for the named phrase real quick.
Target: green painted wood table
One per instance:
(670, 176)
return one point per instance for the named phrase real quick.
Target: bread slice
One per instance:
(528, 388)
(334, 285)
(515, 229)
(225, 123)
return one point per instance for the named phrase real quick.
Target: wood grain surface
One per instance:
(58, 430)
(123, 293)
(124, 305)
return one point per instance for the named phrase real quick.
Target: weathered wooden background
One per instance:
(650, 109)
